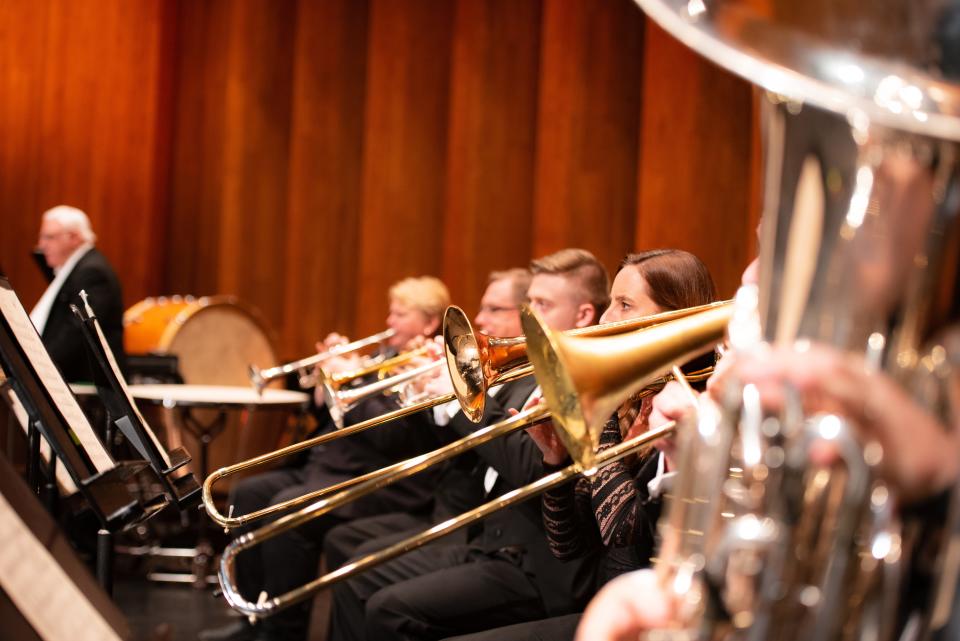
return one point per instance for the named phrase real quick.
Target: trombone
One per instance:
(583, 379)
(478, 370)
(260, 377)
(475, 359)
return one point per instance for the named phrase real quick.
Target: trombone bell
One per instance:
(584, 380)
(462, 353)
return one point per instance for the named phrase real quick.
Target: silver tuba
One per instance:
(859, 251)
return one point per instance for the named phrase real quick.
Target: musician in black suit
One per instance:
(614, 512)
(67, 243)
(505, 573)
(291, 559)
(460, 487)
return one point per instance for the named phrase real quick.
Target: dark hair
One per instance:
(580, 266)
(675, 279)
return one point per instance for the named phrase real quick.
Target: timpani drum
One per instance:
(215, 339)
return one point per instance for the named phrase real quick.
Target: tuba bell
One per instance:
(860, 117)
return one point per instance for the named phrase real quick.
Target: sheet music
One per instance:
(51, 379)
(111, 359)
(46, 596)
(63, 477)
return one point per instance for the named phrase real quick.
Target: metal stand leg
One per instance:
(33, 458)
(203, 558)
(105, 561)
(52, 492)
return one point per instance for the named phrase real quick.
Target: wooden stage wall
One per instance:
(305, 154)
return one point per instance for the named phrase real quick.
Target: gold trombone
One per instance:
(476, 360)
(584, 381)
(260, 377)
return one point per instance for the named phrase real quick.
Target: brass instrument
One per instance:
(587, 378)
(459, 343)
(260, 377)
(859, 251)
(475, 359)
(339, 402)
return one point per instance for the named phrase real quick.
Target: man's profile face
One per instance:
(57, 243)
(558, 301)
(499, 314)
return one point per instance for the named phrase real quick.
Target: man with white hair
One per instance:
(66, 241)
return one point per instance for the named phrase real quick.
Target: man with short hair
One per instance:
(458, 489)
(570, 288)
(505, 573)
(67, 243)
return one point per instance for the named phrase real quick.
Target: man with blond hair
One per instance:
(67, 243)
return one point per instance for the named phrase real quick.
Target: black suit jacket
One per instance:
(564, 586)
(62, 334)
(378, 447)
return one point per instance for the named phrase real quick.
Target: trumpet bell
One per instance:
(585, 379)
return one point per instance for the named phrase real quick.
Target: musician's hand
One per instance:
(337, 364)
(671, 404)
(545, 436)
(417, 342)
(624, 608)
(332, 339)
(921, 456)
(721, 372)
(439, 384)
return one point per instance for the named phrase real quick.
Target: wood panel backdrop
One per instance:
(304, 154)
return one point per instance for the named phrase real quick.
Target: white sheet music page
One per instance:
(41, 590)
(50, 376)
(63, 477)
(111, 359)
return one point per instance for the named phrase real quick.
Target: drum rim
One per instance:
(194, 306)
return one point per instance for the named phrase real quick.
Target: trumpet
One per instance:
(260, 377)
(589, 377)
(339, 402)
(465, 361)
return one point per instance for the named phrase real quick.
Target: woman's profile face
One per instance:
(629, 297)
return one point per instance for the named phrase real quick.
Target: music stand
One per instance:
(185, 400)
(182, 490)
(53, 412)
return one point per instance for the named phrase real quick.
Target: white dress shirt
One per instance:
(41, 311)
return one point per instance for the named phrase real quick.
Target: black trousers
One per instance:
(369, 534)
(288, 560)
(365, 535)
(562, 628)
(434, 593)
